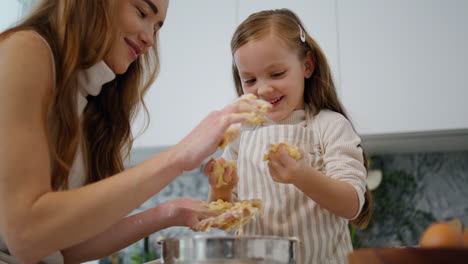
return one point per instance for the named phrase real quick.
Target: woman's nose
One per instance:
(147, 38)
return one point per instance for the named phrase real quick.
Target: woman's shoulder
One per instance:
(25, 44)
(23, 38)
(26, 54)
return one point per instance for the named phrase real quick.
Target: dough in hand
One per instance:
(230, 135)
(293, 151)
(264, 106)
(253, 118)
(230, 216)
(218, 171)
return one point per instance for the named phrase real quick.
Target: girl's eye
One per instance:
(278, 74)
(249, 81)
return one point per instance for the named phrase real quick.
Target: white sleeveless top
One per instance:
(90, 82)
(331, 146)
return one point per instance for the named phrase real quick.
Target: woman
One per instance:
(73, 75)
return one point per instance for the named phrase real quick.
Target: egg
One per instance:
(441, 235)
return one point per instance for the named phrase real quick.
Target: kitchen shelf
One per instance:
(414, 142)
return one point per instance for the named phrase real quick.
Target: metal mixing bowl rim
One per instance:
(208, 237)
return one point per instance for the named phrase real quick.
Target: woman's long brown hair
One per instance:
(80, 34)
(319, 92)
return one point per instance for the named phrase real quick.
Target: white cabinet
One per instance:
(404, 64)
(403, 72)
(318, 17)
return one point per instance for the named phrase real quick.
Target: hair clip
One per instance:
(302, 36)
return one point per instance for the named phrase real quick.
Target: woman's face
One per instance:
(136, 26)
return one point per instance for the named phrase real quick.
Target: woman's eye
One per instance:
(141, 13)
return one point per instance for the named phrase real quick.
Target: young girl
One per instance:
(72, 76)
(314, 198)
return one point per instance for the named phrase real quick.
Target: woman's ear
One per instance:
(309, 66)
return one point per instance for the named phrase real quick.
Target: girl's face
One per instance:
(274, 73)
(136, 26)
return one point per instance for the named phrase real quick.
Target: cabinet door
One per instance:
(195, 76)
(404, 64)
(318, 17)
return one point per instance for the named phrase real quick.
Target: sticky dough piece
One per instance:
(293, 151)
(230, 135)
(253, 119)
(218, 171)
(230, 215)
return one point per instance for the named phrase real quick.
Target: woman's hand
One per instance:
(283, 167)
(186, 211)
(205, 138)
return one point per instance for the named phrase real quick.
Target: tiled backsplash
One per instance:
(416, 190)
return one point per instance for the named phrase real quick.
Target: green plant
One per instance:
(395, 215)
(141, 256)
(355, 240)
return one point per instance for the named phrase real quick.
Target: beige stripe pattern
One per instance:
(331, 146)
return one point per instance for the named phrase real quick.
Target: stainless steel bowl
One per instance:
(229, 250)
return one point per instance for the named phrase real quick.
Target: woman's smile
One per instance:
(135, 51)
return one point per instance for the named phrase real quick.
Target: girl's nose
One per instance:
(264, 89)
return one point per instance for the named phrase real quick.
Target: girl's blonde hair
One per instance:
(319, 90)
(80, 34)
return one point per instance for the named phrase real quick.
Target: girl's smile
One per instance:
(275, 102)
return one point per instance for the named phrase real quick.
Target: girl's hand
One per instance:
(218, 169)
(283, 167)
(205, 138)
(186, 211)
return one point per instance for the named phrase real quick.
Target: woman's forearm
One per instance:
(120, 235)
(334, 195)
(64, 219)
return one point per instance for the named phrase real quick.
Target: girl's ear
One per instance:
(309, 66)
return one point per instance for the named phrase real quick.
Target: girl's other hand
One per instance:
(186, 211)
(216, 167)
(283, 167)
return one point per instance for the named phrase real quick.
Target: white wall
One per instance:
(10, 11)
(195, 73)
